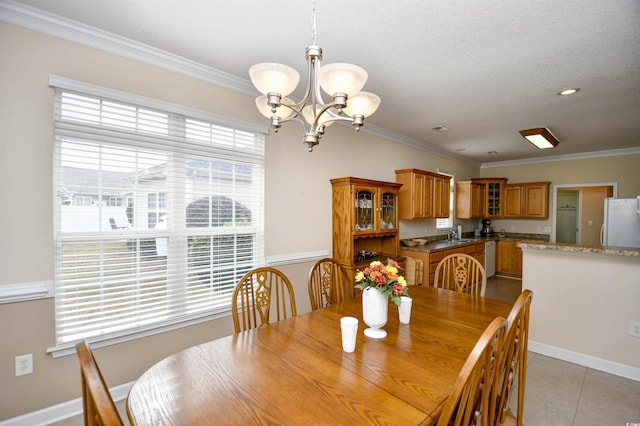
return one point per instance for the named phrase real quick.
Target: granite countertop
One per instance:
(443, 244)
(576, 248)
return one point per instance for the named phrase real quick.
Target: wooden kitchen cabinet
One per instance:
(529, 200)
(441, 196)
(512, 201)
(536, 200)
(470, 202)
(364, 218)
(508, 258)
(493, 195)
(423, 194)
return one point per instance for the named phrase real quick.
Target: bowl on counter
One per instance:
(409, 243)
(420, 241)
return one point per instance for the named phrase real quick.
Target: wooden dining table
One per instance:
(294, 372)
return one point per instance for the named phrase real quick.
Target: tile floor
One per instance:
(558, 393)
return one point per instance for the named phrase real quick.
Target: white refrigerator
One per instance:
(621, 227)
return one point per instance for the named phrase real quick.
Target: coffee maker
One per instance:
(487, 231)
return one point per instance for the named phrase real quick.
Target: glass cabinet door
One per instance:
(388, 211)
(365, 210)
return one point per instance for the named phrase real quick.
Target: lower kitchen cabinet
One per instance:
(431, 259)
(508, 258)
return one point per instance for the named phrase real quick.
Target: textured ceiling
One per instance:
(483, 69)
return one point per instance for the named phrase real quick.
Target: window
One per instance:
(447, 223)
(157, 215)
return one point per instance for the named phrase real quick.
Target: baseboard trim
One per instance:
(607, 366)
(64, 410)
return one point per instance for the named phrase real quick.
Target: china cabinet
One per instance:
(364, 222)
(423, 195)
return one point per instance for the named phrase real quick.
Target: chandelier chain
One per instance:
(314, 25)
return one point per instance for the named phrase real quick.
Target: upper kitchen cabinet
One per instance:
(470, 202)
(423, 194)
(536, 200)
(364, 221)
(528, 200)
(442, 196)
(493, 196)
(512, 201)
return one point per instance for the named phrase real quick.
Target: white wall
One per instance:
(297, 201)
(582, 306)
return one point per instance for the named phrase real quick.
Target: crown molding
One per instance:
(567, 157)
(67, 29)
(372, 129)
(48, 23)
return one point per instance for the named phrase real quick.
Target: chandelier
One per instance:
(342, 82)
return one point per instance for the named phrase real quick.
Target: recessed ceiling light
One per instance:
(571, 91)
(440, 128)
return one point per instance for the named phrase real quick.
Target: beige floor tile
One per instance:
(504, 289)
(552, 391)
(608, 400)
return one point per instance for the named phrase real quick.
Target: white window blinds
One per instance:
(157, 215)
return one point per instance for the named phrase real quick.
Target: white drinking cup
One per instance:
(404, 310)
(349, 326)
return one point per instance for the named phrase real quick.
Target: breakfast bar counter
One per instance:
(580, 249)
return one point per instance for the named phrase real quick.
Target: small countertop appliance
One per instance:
(487, 231)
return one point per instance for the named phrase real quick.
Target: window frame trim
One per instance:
(146, 102)
(173, 323)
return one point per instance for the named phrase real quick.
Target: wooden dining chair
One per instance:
(514, 360)
(257, 292)
(462, 273)
(328, 284)
(98, 407)
(469, 403)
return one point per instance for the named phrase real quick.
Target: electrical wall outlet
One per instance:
(634, 328)
(24, 364)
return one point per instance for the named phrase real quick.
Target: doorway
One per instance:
(578, 212)
(567, 216)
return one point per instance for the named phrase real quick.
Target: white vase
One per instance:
(375, 307)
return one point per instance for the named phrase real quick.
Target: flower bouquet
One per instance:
(385, 278)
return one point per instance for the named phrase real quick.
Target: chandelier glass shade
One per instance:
(340, 81)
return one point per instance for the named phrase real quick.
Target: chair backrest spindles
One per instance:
(327, 284)
(470, 401)
(462, 273)
(514, 357)
(256, 293)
